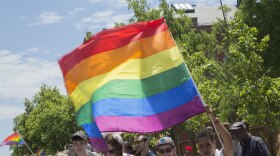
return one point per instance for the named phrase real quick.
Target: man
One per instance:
(250, 145)
(115, 144)
(142, 146)
(206, 142)
(165, 147)
(79, 143)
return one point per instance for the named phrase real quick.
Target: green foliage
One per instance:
(49, 124)
(140, 9)
(242, 65)
(262, 98)
(229, 66)
(264, 15)
(222, 62)
(117, 24)
(143, 12)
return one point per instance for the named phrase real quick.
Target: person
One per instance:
(206, 142)
(234, 141)
(115, 144)
(250, 145)
(165, 147)
(79, 144)
(66, 151)
(142, 146)
(127, 148)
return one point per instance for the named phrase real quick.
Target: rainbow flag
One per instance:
(40, 152)
(13, 139)
(132, 78)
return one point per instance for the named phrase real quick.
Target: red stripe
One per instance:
(111, 39)
(12, 137)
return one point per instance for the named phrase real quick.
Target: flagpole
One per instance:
(203, 103)
(25, 143)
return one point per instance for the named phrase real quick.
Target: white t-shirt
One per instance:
(219, 152)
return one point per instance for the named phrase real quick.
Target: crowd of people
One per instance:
(235, 140)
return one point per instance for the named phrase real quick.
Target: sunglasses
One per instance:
(167, 150)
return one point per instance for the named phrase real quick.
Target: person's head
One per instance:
(79, 142)
(206, 143)
(239, 131)
(226, 125)
(210, 129)
(127, 148)
(115, 144)
(141, 143)
(165, 147)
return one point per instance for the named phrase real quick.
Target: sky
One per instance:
(34, 34)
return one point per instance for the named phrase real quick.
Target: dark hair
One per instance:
(205, 133)
(77, 138)
(115, 140)
(128, 148)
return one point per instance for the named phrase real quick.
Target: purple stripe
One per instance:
(151, 123)
(99, 144)
(11, 143)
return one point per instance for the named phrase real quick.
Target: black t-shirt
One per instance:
(254, 146)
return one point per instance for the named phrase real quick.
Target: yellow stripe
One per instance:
(106, 61)
(131, 69)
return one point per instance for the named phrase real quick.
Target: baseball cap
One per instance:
(80, 134)
(237, 125)
(165, 140)
(141, 137)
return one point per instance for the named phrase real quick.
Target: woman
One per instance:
(115, 144)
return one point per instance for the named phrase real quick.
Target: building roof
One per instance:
(207, 15)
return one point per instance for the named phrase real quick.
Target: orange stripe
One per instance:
(13, 137)
(111, 39)
(105, 62)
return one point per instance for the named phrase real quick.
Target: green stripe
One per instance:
(84, 114)
(139, 88)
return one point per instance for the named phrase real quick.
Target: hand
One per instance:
(209, 112)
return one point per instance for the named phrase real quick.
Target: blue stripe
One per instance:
(151, 105)
(92, 130)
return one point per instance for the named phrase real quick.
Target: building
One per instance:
(203, 17)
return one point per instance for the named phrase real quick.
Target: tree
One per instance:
(143, 12)
(225, 70)
(243, 64)
(238, 82)
(265, 16)
(231, 75)
(47, 123)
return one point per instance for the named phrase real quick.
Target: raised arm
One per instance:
(223, 132)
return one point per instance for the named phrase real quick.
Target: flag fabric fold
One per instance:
(41, 152)
(13, 139)
(132, 78)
